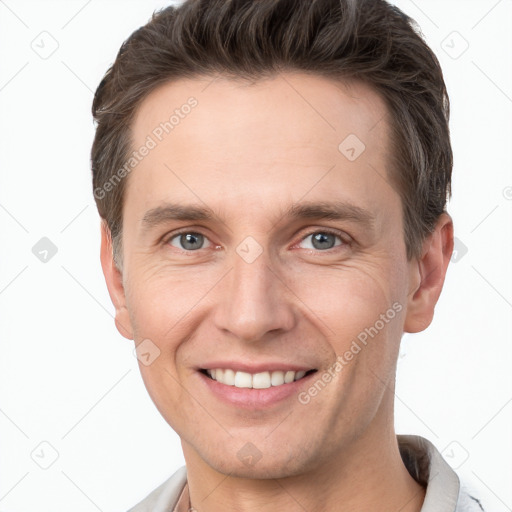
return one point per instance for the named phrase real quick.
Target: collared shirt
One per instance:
(426, 465)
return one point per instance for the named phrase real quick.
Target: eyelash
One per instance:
(329, 231)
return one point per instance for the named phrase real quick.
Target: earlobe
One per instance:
(428, 273)
(114, 281)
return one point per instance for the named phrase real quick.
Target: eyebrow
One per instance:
(327, 210)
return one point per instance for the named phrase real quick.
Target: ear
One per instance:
(114, 280)
(427, 275)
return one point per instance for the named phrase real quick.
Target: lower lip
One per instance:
(249, 398)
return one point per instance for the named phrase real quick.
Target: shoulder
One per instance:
(165, 496)
(444, 491)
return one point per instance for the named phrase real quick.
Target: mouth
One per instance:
(260, 380)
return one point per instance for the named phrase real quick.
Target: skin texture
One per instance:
(249, 152)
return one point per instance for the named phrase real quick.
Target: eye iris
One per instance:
(191, 240)
(323, 241)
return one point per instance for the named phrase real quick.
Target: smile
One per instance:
(261, 380)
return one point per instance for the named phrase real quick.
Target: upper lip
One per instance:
(255, 367)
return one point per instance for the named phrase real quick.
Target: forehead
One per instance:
(279, 132)
(294, 105)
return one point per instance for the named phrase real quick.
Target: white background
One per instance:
(69, 379)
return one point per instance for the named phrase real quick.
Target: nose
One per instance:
(254, 300)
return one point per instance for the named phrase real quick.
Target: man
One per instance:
(272, 178)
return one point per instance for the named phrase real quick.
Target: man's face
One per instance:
(256, 289)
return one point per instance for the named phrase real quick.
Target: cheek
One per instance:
(161, 300)
(165, 306)
(161, 307)
(344, 300)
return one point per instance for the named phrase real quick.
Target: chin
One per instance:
(251, 463)
(258, 471)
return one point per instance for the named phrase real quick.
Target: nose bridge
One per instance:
(253, 300)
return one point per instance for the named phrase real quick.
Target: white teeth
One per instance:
(229, 377)
(242, 380)
(299, 375)
(277, 378)
(262, 380)
(289, 376)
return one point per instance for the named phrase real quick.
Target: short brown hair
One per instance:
(366, 40)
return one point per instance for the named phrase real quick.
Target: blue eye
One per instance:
(323, 240)
(188, 241)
